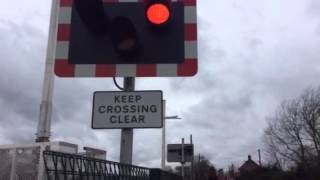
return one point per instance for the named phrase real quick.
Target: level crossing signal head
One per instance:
(149, 33)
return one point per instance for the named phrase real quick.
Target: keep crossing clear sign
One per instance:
(120, 109)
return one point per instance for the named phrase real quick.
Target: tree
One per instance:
(203, 169)
(310, 115)
(292, 137)
(285, 134)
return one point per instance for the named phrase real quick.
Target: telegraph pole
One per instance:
(259, 152)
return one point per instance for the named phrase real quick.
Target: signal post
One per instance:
(126, 144)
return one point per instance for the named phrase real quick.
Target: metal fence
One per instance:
(62, 166)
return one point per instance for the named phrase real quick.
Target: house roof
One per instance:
(249, 165)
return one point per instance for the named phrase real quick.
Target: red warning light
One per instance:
(158, 13)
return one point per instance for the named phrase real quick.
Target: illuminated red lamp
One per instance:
(158, 14)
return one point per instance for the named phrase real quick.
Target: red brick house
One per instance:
(249, 166)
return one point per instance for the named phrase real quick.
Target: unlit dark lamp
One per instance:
(124, 37)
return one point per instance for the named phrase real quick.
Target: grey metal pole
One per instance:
(44, 124)
(127, 134)
(163, 156)
(182, 158)
(191, 142)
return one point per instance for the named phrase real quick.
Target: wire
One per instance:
(115, 82)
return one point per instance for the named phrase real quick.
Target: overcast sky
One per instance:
(252, 54)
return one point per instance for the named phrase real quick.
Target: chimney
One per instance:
(249, 157)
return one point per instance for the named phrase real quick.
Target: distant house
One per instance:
(248, 166)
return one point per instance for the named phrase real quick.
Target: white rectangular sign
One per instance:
(120, 109)
(174, 153)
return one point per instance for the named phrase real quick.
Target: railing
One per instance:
(62, 166)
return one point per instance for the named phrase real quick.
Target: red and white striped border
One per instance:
(63, 69)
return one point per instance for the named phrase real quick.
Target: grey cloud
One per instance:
(218, 111)
(255, 42)
(15, 128)
(73, 97)
(318, 30)
(20, 79)
(314, 7)
(210, 51)
(147, 147)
